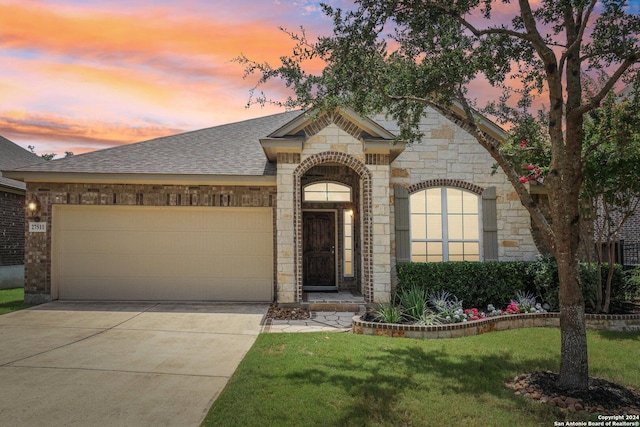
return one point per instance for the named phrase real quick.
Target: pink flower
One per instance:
(474, 310)
(475, 318)
(530, 167)
(523, 144)
(524, 179)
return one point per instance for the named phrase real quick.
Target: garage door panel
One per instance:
(177, 253)
(105, 242)
(122, 266)
(138, 289)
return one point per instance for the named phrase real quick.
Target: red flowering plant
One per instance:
(527, 147)
(474, 314)
(513, 308)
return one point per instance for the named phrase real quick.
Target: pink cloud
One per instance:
(102, 76)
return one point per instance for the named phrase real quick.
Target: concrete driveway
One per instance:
(120, 364)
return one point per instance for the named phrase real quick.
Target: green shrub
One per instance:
(632, 283)
(544, 273)
(478, 284)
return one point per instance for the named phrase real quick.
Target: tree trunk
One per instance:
(607, 293)
(574, 367)
(564, 187)
(599, 280)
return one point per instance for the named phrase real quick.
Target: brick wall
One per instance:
(11, 229)
(38, 245)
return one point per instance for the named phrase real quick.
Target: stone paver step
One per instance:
(320, 321)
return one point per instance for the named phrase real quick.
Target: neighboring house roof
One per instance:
(13, 156)
(230, 149)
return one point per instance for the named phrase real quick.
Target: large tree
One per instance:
(405, 56)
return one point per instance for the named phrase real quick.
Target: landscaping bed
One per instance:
(603, 397)
(612, 322)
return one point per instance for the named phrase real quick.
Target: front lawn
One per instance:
(333, 379)
(12, 300)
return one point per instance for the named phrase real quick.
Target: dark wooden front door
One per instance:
(319, 252)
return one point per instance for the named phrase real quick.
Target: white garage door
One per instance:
(162, 253)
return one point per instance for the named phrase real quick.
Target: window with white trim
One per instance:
(445, 225)
(327, 192)
(347, 240)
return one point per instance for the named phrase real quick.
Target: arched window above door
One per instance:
(326, 192)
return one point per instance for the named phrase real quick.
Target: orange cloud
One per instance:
(123, 37)
(92, 134)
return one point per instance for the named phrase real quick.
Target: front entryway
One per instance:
(319, 251)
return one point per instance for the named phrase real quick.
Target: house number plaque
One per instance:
(37, 227)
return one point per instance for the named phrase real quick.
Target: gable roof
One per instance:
(230, 149)
(241, 153)
(13, 156)
(290, 138)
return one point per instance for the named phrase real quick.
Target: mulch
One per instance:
(287, 313)
(602, 397)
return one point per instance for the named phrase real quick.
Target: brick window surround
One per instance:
(365, 210)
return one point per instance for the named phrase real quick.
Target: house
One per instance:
(12, 200)
(267, 209)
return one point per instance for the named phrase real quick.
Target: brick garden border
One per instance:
(614, 322)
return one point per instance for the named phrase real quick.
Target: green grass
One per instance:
(12, 300)
(332, 379)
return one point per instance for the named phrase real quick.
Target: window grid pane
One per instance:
(445, 225)
(347, 239)
(327, 192)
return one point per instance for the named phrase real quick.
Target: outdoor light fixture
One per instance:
(33, 206)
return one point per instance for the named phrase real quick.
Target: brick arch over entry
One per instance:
(365, 209)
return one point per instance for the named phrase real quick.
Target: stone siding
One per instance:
(333, 142)
(38, 245)
(448, 152)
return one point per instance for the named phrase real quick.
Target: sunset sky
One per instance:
(80, 75)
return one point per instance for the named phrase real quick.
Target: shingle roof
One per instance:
(230, 149)
(13, 156)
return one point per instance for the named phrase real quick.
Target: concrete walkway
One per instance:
(329, 313)
(119, 364)
(320, 321)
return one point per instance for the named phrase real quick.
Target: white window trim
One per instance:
(348, 212)
(327, 192)
(445, 225)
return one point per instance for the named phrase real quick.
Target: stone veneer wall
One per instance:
(332, 140)
(38, 245)
(448, 152)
